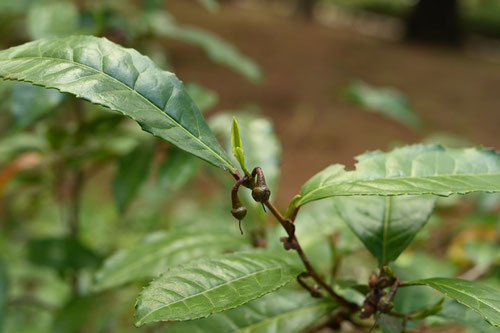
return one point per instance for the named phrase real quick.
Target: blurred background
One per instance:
(315, 82)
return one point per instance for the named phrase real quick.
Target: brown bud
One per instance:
(261, 193)
(239, 212)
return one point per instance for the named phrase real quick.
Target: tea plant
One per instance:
(385, 201)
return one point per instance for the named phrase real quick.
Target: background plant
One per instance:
(407, 170)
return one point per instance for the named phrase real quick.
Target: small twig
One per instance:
(291, 242)
(313, 290)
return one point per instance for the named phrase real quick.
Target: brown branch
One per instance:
(291, 242)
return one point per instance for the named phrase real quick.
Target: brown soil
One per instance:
(306, 65)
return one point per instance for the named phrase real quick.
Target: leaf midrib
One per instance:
(283, 315)
(136, 92)
(301, 201)
(206, 291)
(387, 213)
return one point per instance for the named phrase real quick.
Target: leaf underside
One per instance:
(206, 286)
(121, 79)
(416, 170)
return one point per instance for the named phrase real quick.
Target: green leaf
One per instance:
(204, 98)
(62, 254)
(480, 298)
(52, 19)
(156, 255)
(386, 225)
(203, 287)
(133, 170)
(387, 101)
(261, 145)
(3, 294)
(218, 50)
(417, 169)
(283, 311)
(121, 79)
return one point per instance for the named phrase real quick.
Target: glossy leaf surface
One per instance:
(121, 79)
(206, 286)
(417, 169)
(283, 311)
(386, 225)
(157, 254)
(480, 298)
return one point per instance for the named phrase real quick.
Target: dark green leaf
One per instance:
(417, 169)
(386, 225)
(480, 298)
(386, 101)
(121, 79)
(159, 253)
(133, 170)
(62, 254)
(283, 311)
(206, 286)
(52, 19)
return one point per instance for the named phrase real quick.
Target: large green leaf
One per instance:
(206, 286)
(161, 252)
(218, 50)
(480, 298)
(121, 79)
(133, 170)
(417, 169)
(386, 225)
(283, 311)
(386, 101)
